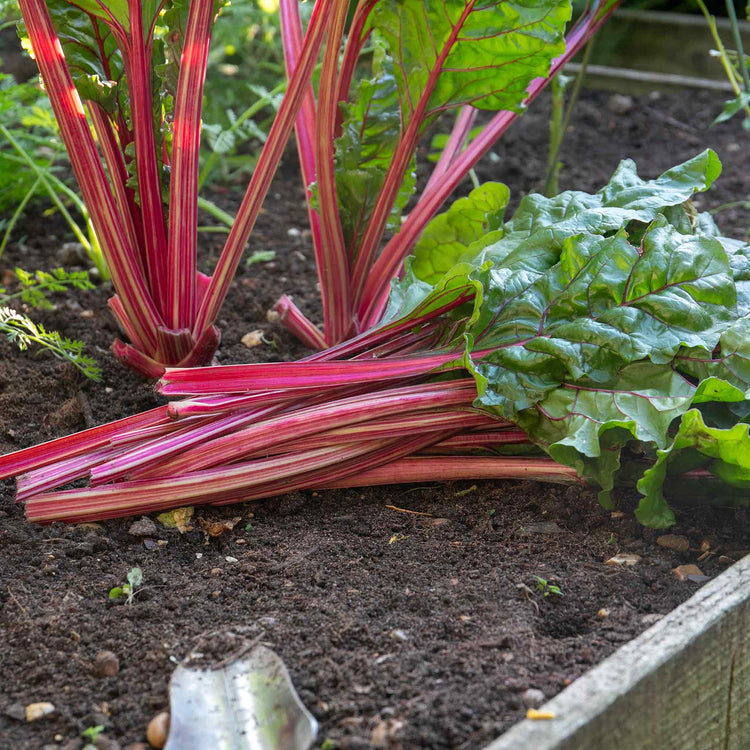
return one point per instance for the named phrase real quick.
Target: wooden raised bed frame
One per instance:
(684, 683)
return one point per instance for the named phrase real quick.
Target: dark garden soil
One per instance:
(398, 629)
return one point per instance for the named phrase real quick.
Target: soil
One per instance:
(398, 629)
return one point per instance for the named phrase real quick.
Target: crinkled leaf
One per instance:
(626, 198)
(731, 363)
(484, 54)
(724, 452)
(450, 235)
(603, 305)
(587, 425)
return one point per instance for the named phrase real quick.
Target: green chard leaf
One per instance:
(455, 233)
(90, 49)
(486, 53)
(723, 452)
(601, 322)
(626, 198)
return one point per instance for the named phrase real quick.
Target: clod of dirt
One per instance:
(158, 730)
(106, 664)
(674, 542)
(143, 527)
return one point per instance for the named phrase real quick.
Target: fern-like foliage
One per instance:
(37, 285)
(23, 332)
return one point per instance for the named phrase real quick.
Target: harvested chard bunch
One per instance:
(603, 329)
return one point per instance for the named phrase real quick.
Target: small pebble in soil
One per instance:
(15, 711)
(106, 664)
(674, 542)
(533, 698)
(623, 559)
(689, 573)
(603, 613)
(35, 711)
(252, 339)
(143, 527)
(158, 729)
(618, 104)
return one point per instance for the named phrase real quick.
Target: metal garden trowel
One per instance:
(249, 704)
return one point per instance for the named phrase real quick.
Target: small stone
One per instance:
(252, 339)
(15, 711)
(533, 698)
(603, 613)
(231, 559)
(71, 254)
(36, 711)
(399, 635)
(87, 314)
(158, 729)
(674, 542)
(618, 104)
(106, 664)
(143, 527)
(624, 559)
(726, 560)
(689, 573)
(216, 572)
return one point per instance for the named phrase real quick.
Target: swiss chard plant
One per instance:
(126, 78)
(599, 338)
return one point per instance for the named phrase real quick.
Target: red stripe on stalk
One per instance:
(183, 193)
(266, 432)
(447, 469)
(281, 375)
(334, 275)
(62, 448)
(304, 132)
(121, 258)
(147, 164)
(389, 262)
(147, 496)
(263, 173)
(295, 321)
(397, 169)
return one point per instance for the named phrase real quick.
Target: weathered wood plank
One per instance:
(684, 683)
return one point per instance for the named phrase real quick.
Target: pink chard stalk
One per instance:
(133, 73)
(357, 143)
(391, 395)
